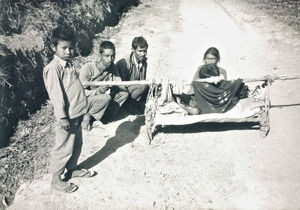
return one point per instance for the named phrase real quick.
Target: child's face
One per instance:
(210, 59)
(64, 49)
(107, 57)
(140, 53)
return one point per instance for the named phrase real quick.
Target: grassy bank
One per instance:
(287, 11)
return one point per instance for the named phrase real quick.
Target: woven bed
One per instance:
(165, 112)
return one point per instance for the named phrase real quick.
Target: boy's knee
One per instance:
(103, 99)
(145, 87)
(106, 98)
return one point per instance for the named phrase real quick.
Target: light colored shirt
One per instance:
(64, 88)
(93, 72)
(137, 65)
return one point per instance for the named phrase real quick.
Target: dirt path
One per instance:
(197, 166)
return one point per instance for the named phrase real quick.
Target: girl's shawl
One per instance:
(215, 98)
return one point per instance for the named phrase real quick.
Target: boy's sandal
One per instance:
(83, 173)
(67, 189)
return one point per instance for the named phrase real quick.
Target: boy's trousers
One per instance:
(67, 148)
(97, 105)
(119, 97)
(138, 91)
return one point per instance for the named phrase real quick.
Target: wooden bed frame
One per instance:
(153, 117)
(258, 115)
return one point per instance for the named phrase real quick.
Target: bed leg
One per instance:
(264, 121)
(151, 106)
(149, 133)
(264, 124)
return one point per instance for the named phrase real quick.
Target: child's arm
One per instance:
(214, 80)
(85, 76)
(209, 74)
(55, 92)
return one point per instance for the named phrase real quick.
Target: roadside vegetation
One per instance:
(287, 11)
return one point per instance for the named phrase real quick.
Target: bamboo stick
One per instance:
(146, 82)
(272, 78)
(264, 78)
(116, 83)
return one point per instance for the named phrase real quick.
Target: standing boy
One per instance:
(132, 68)
(67, 96)
(99, 98)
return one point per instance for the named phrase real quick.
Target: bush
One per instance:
(22, 90)
(287, 11)
(6, 100)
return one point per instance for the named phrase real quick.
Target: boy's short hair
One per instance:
(107, 45)
(139, 42)
(63, 33)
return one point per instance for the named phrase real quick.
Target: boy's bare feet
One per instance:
(86, 122)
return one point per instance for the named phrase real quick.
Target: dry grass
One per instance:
(27, 156)
(287, 11)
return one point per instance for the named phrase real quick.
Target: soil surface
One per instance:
(209, 166)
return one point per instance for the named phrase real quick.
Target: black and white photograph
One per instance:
(149, 104)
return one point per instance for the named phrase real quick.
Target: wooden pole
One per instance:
(116, 83)
(272, 78)
(146, 82)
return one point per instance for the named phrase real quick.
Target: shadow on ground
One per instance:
(125, 133)
(206, 127)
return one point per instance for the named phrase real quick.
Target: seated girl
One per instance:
(211, 56)
(214, 94)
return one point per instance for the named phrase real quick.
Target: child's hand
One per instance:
(216, 80)
(64, 123)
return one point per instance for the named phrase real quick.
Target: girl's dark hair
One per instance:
(63, 33)
(213, 51)
(139, 42)
(106, 45)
